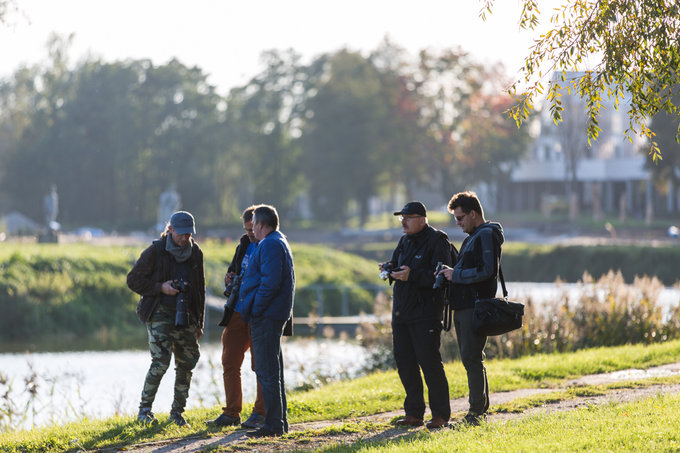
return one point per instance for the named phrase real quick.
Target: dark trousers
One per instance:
(471, 347)
(416, 347)
(266, 336)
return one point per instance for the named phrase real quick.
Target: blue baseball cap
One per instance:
(183, 223)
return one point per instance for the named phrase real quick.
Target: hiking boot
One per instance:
(226, 420)
(254, 421)
(145, 416)
(409, 420)
(437, 422)
(177, 419)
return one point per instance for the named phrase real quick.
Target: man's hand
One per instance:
(167, 288)
(199, 333)
(228, 277)
(447, 271)
(401, 274)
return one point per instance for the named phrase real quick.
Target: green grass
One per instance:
(647, 425)
(376, 393)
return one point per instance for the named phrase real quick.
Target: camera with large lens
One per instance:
(231, 291)
(440, 280)
(387, 267)
(180, 306)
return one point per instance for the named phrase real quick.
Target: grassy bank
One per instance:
(77, 293)
(378, 392)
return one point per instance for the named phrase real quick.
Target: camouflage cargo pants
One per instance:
(164, 340)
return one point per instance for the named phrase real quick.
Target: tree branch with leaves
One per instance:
(635, 45)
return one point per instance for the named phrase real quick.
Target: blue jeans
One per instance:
(266, 336)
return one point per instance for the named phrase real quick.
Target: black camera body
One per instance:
(440, 280)
(180, 306)
(231, 292)
(388, 267)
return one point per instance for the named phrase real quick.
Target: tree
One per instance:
(470, 139)
(342, 136)
(263, 119)
(636, 48)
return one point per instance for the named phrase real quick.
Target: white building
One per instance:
(608, 175)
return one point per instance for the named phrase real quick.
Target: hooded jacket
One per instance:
(475, 275)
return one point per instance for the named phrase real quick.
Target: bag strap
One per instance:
(500, 275)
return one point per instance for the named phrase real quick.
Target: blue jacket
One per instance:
(268, 284)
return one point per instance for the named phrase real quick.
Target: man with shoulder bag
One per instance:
(475, 276)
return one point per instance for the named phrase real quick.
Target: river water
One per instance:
(65, 386)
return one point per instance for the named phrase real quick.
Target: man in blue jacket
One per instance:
(475, 276)
(266, 300)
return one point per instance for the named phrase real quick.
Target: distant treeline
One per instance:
(318, 139)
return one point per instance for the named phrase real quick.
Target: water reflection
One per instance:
(66, 386)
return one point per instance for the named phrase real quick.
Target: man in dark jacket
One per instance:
(266, 298)
(473, 277)
(417, 315)
(236, 341)
(171, 265)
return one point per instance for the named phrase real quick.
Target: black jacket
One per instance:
(153, 268)
(415, 300)
(235, 265)
(475, 275)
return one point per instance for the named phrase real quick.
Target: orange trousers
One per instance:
(235, 342)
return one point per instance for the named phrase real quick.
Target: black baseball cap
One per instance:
(413, 208)
(183, 223)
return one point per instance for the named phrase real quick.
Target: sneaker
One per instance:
(226, 420)
(145, 416)
(262, 432)
(177, 419)
(254, 421)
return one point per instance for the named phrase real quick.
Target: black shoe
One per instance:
(255, 421)
(472, 419)
(177, 419)
(145, 416)
(262, 432)
(226, 420)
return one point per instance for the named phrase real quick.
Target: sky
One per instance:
(225, 38)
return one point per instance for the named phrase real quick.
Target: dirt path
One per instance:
(239, 441)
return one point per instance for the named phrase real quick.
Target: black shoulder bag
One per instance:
(496, 316)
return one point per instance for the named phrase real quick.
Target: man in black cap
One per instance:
(169, 276)
(417, 315)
